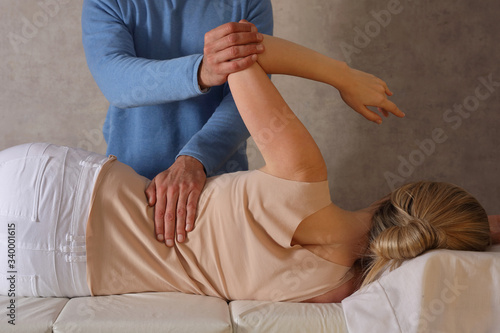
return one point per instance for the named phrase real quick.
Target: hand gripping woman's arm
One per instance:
(287, 147)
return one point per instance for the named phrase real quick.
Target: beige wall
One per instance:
(47, 91)
(438, 58)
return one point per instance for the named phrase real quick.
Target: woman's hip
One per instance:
(45, 195)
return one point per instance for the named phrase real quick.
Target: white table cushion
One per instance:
(31, 314)
(147, 312)
(254, 316)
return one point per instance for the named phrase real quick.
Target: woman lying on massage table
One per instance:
(77, 223)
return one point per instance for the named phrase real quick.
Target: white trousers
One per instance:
(45, 193)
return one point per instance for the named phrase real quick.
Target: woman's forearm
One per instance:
(358, 89)
(285, 57)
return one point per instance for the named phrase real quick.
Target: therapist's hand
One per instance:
(175, 193)
(229, 48)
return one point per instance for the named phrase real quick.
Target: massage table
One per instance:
(439, 291)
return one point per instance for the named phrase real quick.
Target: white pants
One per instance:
(45, 195)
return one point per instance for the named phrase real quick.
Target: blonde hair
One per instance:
(422, 216)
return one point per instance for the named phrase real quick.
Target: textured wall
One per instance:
(440, 58)
(435, 56)
(47, 91)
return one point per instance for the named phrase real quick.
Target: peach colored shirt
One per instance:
(240, 247)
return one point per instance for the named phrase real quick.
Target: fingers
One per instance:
(170, 215)
(229, 48)
(368, 114)
(227, 68)
(170, 218)
(180, 216)
(191, 210)
(233, 53)
(389, 107)
(177, 191)
(386, 88)
(235, 39)
(362, 90)
(161, 204)
(234, 43)
(384, 112)
(385, 107)
(228, 29)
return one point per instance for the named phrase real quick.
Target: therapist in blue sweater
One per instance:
(163, 66)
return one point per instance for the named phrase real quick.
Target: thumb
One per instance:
(151, 193)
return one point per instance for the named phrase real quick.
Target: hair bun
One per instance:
(407, 241)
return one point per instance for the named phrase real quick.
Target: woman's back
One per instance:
(240, 248)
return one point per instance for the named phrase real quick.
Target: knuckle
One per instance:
(184, 183)
(379, 99)
(160, 212)
(191, 206)
(231, 26)
(234, 51)
(209, 59)
(172, 189)
(181, 212)
(234, 66)
(196, 187)
(169, 218)
(226, 28)
(232, 39)
(183, 187)
(161, 188)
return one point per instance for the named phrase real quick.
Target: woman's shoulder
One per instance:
(266, 186)
(334, 234)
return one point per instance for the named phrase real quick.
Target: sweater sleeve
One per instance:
(225, 131)
(127, 80)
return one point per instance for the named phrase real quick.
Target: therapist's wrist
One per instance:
(202, 84)
(192, 162)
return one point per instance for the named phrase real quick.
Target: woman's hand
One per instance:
(360, 90)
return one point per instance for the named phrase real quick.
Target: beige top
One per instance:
(239, 250)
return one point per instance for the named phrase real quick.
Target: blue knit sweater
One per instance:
(144, 56)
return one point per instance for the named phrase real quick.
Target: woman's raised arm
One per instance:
(358, 89)
(287, 147)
